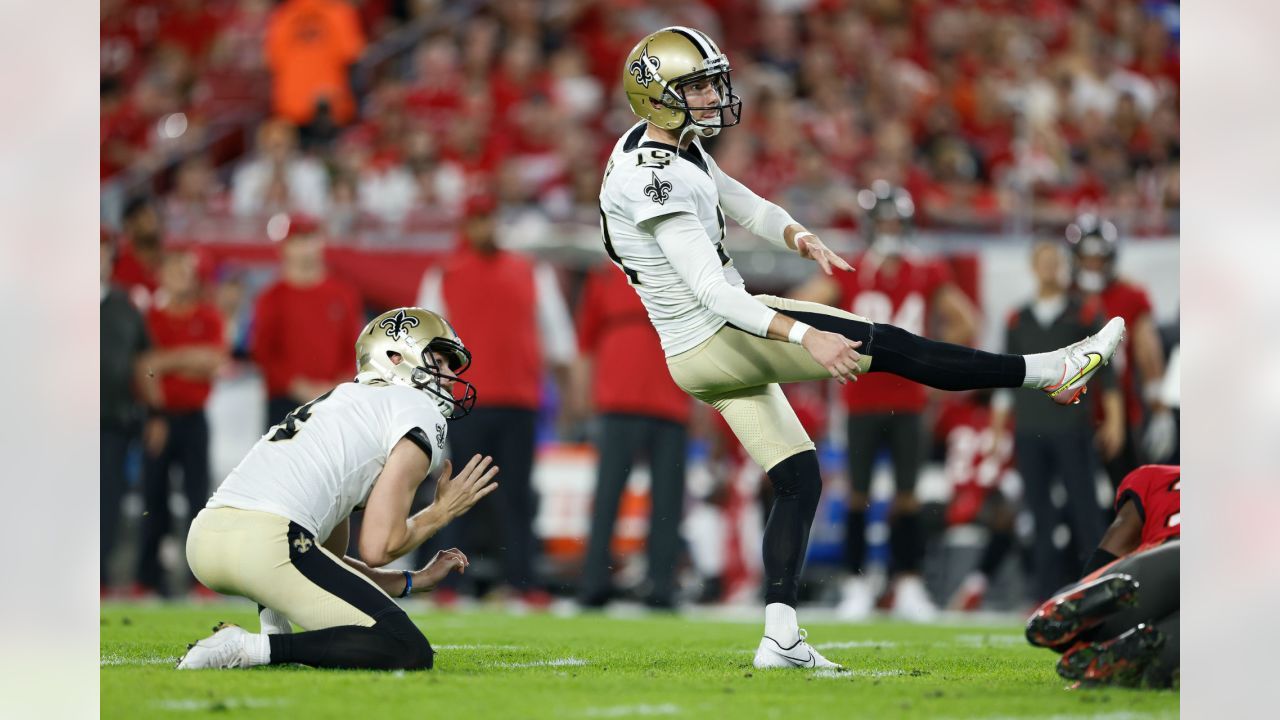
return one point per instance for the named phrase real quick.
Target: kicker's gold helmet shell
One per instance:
(414, 334)
(666, 60)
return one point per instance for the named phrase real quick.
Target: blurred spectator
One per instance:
(138, 260)
(1055, 444)
(642, 414)
(124, 340)
(1095, 247)
(196, 195)
(276, 178)
(190, 347)
(311, 45)
(303, 325)
(891, 285)
(510, 313)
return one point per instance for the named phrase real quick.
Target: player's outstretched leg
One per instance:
(797, 484)
(1061, 374)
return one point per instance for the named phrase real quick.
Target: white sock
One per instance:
(258, 647)
(780, 623)
(1043, 369)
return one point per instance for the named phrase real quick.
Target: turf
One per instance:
(494, 665)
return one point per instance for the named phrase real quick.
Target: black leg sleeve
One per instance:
(393, 643)
(797, 485)
(929, 362)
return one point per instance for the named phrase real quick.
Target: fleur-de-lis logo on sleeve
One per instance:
(658, 190)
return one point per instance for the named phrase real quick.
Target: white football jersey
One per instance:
(647, 179)
(321, 462)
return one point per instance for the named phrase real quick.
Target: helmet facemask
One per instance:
(718, 75)
(430, 378)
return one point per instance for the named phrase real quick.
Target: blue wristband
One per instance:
(408, 584)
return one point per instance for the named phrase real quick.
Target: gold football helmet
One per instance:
(415, 334)
(665, 61)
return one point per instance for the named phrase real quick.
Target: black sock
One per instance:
(394, 643)
(855, 540)
(929, 362)
(797, 485)
(993, 554)
(905, 544)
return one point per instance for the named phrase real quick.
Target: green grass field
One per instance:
(494, 665)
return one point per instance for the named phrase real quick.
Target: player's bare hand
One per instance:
(444, 562)
(837, 353)
(457, 494)
(812, 248)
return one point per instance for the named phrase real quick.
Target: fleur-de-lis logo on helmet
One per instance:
(659, 190)
(644, 67)
(398, 324)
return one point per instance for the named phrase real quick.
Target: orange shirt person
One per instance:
(310, 45)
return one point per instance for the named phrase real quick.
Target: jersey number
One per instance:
(878, 308)
(290, 425)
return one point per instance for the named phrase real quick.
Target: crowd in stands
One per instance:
(982, 110)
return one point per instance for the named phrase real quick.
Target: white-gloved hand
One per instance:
(274, 622)
(1161, 438)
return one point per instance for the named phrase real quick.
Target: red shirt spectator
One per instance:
(174, 327)
(629, 370)
(508, 311)
(305, 325)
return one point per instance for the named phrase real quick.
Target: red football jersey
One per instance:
(1156, 491)
(1126, 300)
(977, 461)
(902, 298)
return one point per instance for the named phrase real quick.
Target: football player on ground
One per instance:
(1120, 623)
(663, 204)
(898, 286)
(277, 529)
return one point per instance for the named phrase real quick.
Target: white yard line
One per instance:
(560, 662)
(111, 659)
(855, 644)
(478, 647)
(617, 711)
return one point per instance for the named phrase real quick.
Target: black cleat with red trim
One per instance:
(1060, 619)
(1122, 660)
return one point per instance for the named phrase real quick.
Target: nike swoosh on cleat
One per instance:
(1095, 359)
(803, 661)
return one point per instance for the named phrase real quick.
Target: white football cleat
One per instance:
(797, 655)
(225, 648)
(911, 602)
(1083, 359)
(857, 600)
